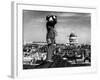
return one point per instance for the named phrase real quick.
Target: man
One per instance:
(50, 37)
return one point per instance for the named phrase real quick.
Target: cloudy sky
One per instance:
(34, 25)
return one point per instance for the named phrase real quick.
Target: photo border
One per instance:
(17, 28)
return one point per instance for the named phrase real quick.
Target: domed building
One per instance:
(73, 39)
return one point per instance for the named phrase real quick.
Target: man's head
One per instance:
(52, 18)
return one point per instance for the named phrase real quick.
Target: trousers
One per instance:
(50, 51)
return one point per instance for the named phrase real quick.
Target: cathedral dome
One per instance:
(72, 35)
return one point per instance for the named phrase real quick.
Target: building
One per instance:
(73, 39)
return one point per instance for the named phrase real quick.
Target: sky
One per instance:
(34, 26)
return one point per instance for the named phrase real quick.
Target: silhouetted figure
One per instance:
(50, 37)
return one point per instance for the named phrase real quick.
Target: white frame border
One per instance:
(16, 70)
